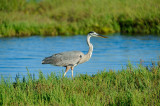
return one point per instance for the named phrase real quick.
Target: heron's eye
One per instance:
(80, 56)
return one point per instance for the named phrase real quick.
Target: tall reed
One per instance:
(130, 86)
(65, 17)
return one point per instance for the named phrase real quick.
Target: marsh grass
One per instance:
(130, 86)
(66, 17)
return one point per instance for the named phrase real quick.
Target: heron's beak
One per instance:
(102, 36)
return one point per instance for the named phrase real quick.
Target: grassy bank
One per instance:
(67, 17)
(131, 86)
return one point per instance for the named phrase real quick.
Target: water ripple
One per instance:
(17, 54)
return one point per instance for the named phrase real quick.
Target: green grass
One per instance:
(66, 17)
(130, 86)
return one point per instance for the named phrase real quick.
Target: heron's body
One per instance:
(71, 58)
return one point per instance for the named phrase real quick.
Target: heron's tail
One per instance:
(43, 62)
(47, 60)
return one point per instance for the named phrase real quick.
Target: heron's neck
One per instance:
(89, 54)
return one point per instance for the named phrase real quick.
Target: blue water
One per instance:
(17, 54)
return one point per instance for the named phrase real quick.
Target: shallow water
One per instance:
(17, 54)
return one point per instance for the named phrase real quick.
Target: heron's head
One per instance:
(94, 34)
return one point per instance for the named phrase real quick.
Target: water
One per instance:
(17, 54)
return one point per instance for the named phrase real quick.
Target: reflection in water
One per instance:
(17, 54)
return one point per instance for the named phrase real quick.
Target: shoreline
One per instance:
(58, 17)
(131, 86)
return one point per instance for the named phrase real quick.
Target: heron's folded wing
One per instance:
(70, 58)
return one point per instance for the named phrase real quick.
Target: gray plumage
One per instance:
(72, 58)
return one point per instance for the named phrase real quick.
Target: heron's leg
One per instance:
(72, 71)
(67, 68)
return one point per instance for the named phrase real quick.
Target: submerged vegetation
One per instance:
(69, 17)
(130, 86)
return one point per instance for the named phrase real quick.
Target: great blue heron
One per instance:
(70, 59)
